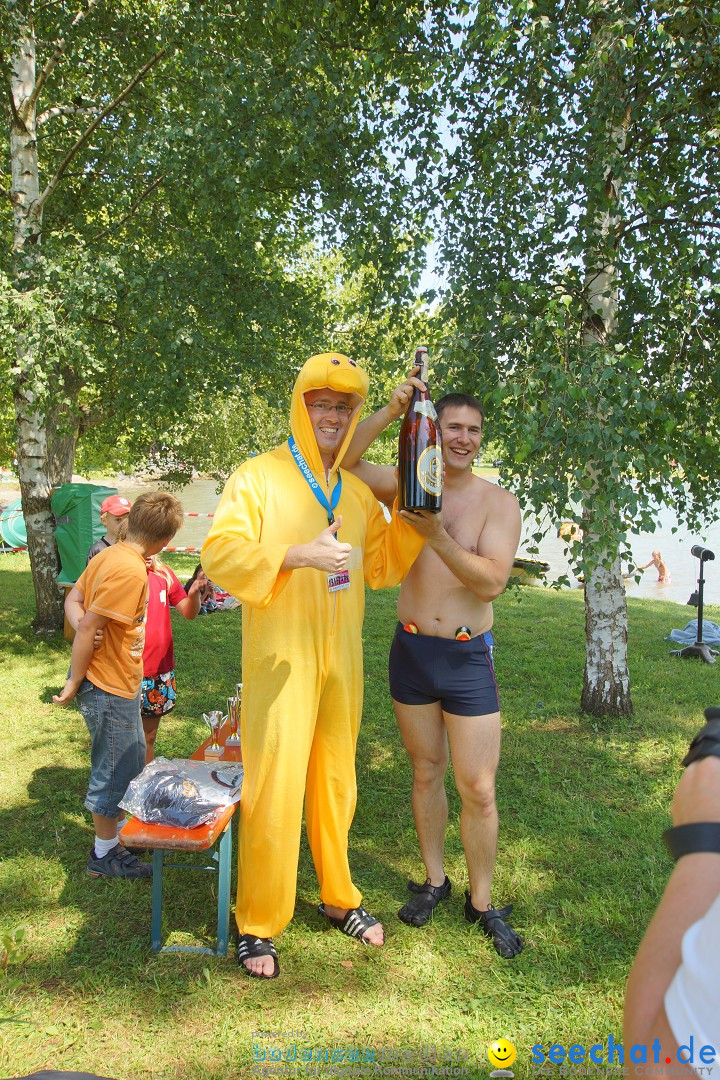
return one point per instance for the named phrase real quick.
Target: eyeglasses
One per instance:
(323, 407)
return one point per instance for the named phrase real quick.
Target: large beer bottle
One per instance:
(420, 451)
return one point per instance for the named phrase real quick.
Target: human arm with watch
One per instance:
(673, 992)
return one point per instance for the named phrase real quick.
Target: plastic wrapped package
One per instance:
(183, 793)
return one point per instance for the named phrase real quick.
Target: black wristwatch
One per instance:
(689, 839)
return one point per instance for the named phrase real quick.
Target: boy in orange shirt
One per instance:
(106, 674)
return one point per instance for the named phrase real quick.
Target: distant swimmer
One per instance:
(657, 560)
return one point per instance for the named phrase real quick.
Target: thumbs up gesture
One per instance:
(326, 552)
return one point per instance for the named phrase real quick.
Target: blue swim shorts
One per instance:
(458, 674)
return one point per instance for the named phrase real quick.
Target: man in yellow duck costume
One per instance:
(295, 540)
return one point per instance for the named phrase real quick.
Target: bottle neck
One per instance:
(422, 360)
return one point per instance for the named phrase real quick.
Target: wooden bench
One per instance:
(164, 839)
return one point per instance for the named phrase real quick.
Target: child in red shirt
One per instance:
(158, 685)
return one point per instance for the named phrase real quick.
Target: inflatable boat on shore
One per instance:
(529, 572)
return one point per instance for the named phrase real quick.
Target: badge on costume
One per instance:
(336, 582)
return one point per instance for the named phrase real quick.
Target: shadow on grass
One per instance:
(97, 931)
(17, 638)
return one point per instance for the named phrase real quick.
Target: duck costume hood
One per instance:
(339, 373)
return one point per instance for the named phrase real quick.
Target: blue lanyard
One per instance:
(317, 491)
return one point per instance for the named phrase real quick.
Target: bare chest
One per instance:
(432, 596)
(464, 520)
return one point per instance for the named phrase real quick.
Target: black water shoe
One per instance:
(507, 943)
(419, 908)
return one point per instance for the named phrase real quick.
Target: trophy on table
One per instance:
(214, 721)
(233, 707)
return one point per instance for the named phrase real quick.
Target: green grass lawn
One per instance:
(582, 805)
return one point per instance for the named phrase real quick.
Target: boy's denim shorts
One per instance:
(117, 753)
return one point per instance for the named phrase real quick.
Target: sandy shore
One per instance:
(9, 492)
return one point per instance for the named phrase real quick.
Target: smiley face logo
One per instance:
(501, 1053)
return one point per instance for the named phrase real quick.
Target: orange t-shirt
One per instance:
(114, 584)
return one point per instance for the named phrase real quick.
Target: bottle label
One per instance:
(426, 408)
(429, 470)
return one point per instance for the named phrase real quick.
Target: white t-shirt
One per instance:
(692, 1001)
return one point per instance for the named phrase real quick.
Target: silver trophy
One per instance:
(214, 721)
(233, 708)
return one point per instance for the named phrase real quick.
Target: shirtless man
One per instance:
(443, 687)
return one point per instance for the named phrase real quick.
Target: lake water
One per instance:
(201, 497)
(675, 550)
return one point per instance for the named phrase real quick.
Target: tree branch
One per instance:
(80, 142)
(141, 198)
(67, 110)
(696, 223)
(57, 56)
(112, 323)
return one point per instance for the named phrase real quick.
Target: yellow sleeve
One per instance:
(234, 555)
(390, 548)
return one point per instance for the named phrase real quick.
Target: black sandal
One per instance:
(507, 943)
(356, 923)
(249, 947)
(419, 908)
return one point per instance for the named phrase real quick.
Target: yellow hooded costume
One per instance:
(301, 654)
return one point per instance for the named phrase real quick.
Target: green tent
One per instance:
(77, 513)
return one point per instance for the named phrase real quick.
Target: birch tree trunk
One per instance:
(62, 431)
(32, 448)
(45, 391)
(606, 679)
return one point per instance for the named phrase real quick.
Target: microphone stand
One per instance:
(699, 648)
